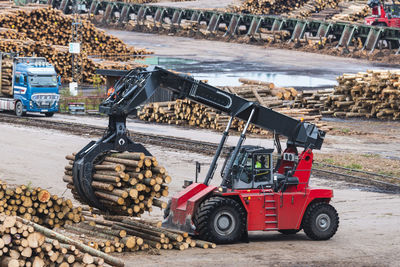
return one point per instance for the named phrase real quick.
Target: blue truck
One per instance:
(28, 84)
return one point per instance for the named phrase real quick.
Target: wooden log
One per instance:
(50, 233)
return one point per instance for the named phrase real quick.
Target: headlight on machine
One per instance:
(31, 104)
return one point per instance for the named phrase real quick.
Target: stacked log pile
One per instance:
(268, 6)
(37, 205)
(352, 11)
(125, 183)
(371, 94)
(313, 100)
(54, 28)
(24, 243)
(6, 77)
(318, 8)
(46, 32)
(124, 234)
(189, 113)
(110, 65)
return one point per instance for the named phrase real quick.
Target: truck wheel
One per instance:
(289, 231)
(49, 114)
(220, 220)
(320, 221)
(19, 109)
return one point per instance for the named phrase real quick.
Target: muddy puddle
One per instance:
(220, 73)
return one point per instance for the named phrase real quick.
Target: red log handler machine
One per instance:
(255, 194)
(383, 14)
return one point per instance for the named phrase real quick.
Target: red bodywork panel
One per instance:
(266, 210)
(379, 16)
(184, 203)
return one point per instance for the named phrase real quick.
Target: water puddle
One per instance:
(228, 74)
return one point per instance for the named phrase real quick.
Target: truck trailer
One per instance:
(28, 84)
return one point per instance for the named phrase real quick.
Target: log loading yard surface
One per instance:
(367, 233)
(369, 217)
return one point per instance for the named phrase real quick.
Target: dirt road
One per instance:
(367, 236)
(242, 57)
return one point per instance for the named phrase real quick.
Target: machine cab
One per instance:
(253, 168)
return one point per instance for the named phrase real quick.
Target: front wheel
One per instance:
(49, 114)
(320, 221)
(220, 220)
(19, 109)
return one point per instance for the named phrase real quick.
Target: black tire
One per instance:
(19, 109)
(167, 209)
(49, 114)
(320, 221)
(289, 231)
(220, 220)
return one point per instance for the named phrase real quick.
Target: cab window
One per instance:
(262, 164)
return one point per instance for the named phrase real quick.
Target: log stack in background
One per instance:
(6, 77)
(268, 6)
(126, 183)
(352, 11)
(371, 94)
(46, 32)
(37, 205)
(319, 8)
(313, 100)
(189, 113)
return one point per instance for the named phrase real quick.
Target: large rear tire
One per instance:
(321, 221)
(220, 220)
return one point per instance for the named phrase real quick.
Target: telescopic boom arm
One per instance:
(139, 85)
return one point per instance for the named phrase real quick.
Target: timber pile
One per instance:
(268, 6)
(313, 100)
(46, 32)
(125, 234)
(371, 94)
(37, 205)
(262, 92)
(111, 65)
(125, 183)
(189, 113)
(6, 77)
(53, 27)
(319, 8)
(24, 243)
(353, 11)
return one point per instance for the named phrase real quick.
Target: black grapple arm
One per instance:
(139, 85)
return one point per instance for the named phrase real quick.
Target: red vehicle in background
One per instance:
(383, 14)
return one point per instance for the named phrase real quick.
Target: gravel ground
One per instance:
(367, 235)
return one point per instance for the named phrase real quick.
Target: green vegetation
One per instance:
(328, 161)
(355, 166)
